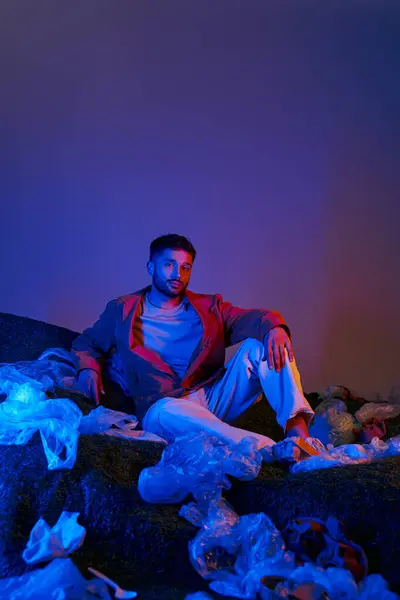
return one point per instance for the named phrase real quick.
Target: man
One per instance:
(170, 343)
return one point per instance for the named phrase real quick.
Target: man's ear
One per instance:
(150, 268)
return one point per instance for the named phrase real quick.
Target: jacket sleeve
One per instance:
(91, 348)
(241, 323)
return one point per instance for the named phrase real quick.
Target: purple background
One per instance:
(265, 131)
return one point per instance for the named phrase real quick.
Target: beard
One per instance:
(165, 288)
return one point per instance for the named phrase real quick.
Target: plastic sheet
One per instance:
(27, 410)
(54, 368)
(350, 454)
(198, 464)
(116, 424)
(59, 541)
(198, 596)
(339, 584)
(325, 544)
(378, 411)
(59, 580)
(332, 424)
(103, 419)
(234, 552)
(373, 587)
(293, 449)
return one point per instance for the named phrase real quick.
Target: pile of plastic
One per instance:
(349, 454)
(60, 579)
(27, 409)
(236, 553)
(334, 424)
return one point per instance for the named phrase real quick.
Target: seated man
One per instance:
(171, 345)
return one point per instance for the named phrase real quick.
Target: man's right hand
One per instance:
(90, 384)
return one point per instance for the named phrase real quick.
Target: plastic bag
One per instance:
(116, 424)
(293, 449)
(338, 583)
(341, 392)
(12, 377)
(373, 587)
(57, 542)
(332, 424)
(198, 464)
(379, 411)
(234, 552)
(46, 371)
(350, 454)
(27, 410)
(102, 419)
(59, 580)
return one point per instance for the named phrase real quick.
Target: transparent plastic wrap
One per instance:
(376, 410)
(115, 424)
(198, 464)
(54, 368)
(374, 587)
(27, 410)
(234, 552)
(332, 424)
(238, 554)
(103, 419)
(331, 584)
(47, 542)
(350, 454)
(59, 580)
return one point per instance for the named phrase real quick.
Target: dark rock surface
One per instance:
(145, 547)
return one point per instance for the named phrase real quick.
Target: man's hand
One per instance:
(275, 343)
(89, 383)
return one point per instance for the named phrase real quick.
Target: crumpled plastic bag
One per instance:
(341, 392)
(59, 580)
(293, 449)
(54, 368)
(377, 410)
(338, 584)
(27, 410)
(102, 419)
(373, 587)
(234, 552)
(350, 454)
(198, 596)
(195, 463)
(56, 542)
(332, 424)
(116, 424)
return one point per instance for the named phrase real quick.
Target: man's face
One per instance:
(171, 271)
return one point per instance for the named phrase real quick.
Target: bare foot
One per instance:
(297, 426)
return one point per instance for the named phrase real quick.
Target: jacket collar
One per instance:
(132, 305)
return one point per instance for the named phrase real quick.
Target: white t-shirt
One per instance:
(172, 333)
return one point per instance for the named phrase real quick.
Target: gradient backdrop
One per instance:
(265, 131)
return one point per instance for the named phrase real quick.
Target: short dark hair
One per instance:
(172, 241)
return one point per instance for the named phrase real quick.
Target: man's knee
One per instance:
(252, 348)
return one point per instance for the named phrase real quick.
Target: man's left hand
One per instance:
(275, 343)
